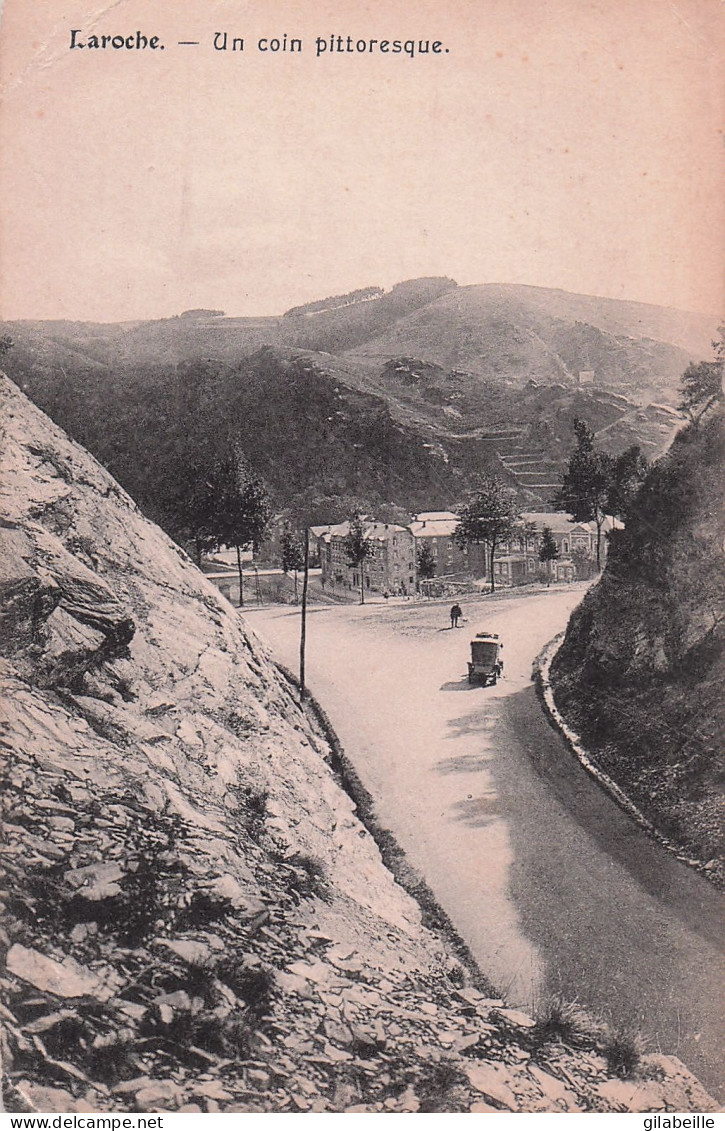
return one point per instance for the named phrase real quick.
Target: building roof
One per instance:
(560, 523)
(376, 531)
(340, 529)
(439, 528)
(434, 516)
(382, 530)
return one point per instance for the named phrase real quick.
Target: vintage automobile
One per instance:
(485, 665)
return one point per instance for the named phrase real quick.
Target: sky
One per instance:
(560, 143)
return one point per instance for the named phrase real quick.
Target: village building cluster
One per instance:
(393, 566)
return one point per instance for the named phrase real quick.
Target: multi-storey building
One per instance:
(390, 567)
(517, 561)
(436, 529)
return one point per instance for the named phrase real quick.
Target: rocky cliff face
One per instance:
(194, 918)
(641, 670)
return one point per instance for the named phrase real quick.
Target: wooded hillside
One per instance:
(642, 668)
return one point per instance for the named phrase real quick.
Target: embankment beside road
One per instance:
(542, 675)
(640, 673)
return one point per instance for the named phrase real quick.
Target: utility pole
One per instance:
(303, 621)
(241, 577)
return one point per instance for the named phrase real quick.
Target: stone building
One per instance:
(517, 562)
(390, 568)
(437, 529)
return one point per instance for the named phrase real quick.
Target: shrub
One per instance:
(436, 1089)
(201, 910)
(560, 1020)
(309, 876)
(252, 984)
(623, 1050)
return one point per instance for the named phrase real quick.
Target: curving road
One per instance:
(549, 883)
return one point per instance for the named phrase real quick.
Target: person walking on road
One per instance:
(456, 614)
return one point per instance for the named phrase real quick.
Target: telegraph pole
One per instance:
(303, 621)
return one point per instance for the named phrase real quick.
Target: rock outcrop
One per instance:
(641, 670)
(194, 917)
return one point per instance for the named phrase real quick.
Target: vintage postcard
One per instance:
(362, 592)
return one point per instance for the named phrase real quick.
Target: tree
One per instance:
(627, 476)
(584, 492)
(186, 496)
(242, 507)
(582, 562)
(489, 517)
(426, 562)
(358, 549)
(194, 513)
(293, 553)
(548, 551)
(701, 385)
(6, 343)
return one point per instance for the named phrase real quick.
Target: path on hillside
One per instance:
(549, 883)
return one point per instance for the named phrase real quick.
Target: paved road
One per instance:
(549, 883)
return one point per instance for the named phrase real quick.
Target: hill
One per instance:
(512, 333)
(518, 333)
(213, 336)
(407, 394)
(641, 670)
(306, 433)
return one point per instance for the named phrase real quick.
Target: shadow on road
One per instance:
(476, 723)
(621, 923)
(464, 764)
(477, 812)
(457, 685)
(656, 870)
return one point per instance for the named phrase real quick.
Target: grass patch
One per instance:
(308, 876)
(252, 803)
(565, 1022)
(252, 984)
(623, 1050)
(436, 1090)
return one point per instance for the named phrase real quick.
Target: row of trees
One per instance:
(594, 485)
(363, 294)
